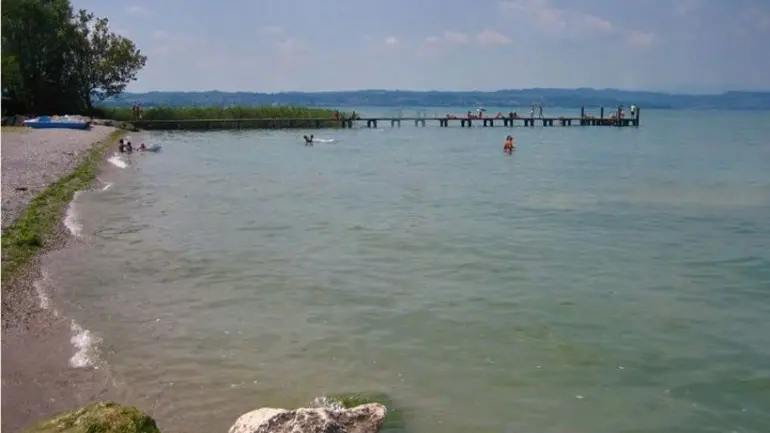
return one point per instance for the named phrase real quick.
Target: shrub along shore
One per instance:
(204, 118)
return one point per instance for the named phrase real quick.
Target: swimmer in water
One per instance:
(308, 140)
(509, 146)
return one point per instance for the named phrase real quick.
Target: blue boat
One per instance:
(63, 122)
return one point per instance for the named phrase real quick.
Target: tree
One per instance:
(56, 61)
(107, 61)
(36, 35)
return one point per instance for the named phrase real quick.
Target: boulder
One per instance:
(365, 418)
(100, 417)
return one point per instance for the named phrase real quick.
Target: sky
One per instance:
(691, 46)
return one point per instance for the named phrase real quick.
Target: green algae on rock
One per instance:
(99, 417)
(394, 419)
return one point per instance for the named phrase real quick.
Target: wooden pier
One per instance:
(617, 120)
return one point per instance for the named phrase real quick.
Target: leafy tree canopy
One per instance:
(56, 60)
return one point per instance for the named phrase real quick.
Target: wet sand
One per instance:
(37, 380)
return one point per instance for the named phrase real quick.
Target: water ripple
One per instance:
(597, 280)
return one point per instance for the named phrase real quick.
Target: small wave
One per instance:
(70, 217)
(117, 161)
(85, 343)
(327, 403)
(107, 185)
(45, 300)
(324, 140)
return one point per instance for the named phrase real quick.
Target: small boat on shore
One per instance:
(56, 122)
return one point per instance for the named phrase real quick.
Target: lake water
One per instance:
(598, 280)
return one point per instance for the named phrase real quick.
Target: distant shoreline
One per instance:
(563, 98)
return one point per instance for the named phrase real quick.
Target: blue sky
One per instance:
(312, 45)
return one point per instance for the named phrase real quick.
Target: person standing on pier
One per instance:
(540, 111)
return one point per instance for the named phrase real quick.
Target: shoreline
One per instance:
(38, 380)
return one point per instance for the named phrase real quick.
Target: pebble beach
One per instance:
(36, 379)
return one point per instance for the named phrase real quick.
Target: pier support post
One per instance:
(443, 122)
(371, 123)
(466, 122)
(601, 113)
(394, 122)
(419, 122)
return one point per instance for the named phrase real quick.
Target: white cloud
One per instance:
(485, 37)
(456, 37)
(685, 7)
(137, 10)
(558, 21)
(391, 41)
(122, 32)
(166, 43)
(291, 50)
(641, 39)
(492, 37)
(272, 30)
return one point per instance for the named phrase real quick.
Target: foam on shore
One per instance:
(42, 295)
(117, 161)
(71, 218)
(84, 342)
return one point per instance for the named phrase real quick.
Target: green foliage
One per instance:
(25, 237)
(100, 417)
(394, 419)
(212, 113)
(55, 61)
(107, 62)
(209, 118)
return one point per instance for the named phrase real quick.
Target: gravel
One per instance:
(37, 380)
(35, 158)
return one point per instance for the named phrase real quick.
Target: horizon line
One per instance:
(662, 92)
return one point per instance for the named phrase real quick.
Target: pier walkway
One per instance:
(617, 120)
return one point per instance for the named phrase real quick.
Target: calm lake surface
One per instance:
(598, 280)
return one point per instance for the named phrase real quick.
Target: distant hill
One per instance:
(567, 98)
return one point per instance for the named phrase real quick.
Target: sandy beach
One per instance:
(37, 380)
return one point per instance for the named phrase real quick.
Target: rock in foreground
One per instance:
(101, 417)
(366, 418)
